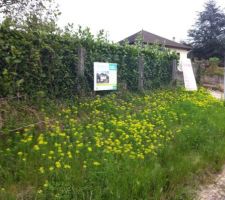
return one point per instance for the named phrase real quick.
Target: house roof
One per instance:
(150, 38)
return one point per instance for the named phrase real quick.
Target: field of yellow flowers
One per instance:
(156, 145)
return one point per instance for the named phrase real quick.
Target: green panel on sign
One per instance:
(112, 66)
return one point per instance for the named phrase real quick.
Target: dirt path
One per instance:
(216, 190)
(217, 94)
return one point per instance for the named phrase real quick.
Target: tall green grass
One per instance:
(186, 131)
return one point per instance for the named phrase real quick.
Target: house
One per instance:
(150, 38)
(185, 65)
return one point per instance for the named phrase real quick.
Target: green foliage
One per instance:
(218, 71)
(209, 67)
(24, 12)
(208, 29)
(214, 68)
(41, 58)
(214, 62)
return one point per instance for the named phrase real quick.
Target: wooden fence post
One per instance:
(174, 71)
(140, 73)
(81, 58)
(80, 70)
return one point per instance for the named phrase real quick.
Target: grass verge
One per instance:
(155, 145)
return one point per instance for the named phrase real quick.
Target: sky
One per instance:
(122, 18)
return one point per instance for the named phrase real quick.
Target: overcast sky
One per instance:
(121, 18)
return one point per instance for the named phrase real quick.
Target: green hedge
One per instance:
(41, 62)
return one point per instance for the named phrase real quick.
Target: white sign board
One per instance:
(189, 78)
(105, 76)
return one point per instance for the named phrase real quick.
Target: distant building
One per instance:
(149, 38)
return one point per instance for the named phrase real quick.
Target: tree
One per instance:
(29, 11)
(204, 37)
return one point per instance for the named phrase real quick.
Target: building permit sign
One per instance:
(105, 76)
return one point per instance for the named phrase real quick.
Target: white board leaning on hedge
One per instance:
(189, 78)
(105, 76)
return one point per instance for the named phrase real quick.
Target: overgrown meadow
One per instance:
(156, 145)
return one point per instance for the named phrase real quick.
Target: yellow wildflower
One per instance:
(96, 163)
(51, 168)
(89, 149)
(41, 169)
(58, 164)
(36, 148)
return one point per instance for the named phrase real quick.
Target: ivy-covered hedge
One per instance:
(39, 62)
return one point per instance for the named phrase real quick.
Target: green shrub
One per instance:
(39, 60)
(214, 62)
